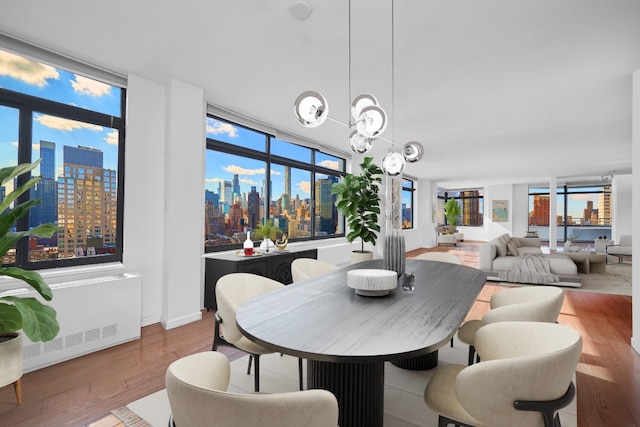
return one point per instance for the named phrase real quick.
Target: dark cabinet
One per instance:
(275, 265)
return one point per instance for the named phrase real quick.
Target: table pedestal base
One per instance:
(418, 363)
(359, 388)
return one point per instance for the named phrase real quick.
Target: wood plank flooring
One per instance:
(82, 391)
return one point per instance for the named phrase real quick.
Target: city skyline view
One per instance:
(33, 78)
(73, 124)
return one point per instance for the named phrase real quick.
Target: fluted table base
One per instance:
(359, 388)
(418, 363)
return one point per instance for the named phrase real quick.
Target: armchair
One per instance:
(524, 379)
(231, 291)
(622, 249)
(197, 389)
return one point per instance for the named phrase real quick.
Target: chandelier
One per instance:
(367, 117)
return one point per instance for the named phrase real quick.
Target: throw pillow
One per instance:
(517, 242)
(501, 247)
(512, 249)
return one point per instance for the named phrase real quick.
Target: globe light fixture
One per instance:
(358, 143)
(311, 109)
(393, 163)
(412, 151)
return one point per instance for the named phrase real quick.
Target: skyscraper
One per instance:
(87, 204)
(47, 189)
(253, 208)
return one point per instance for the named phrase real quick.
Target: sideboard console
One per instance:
(275, 265)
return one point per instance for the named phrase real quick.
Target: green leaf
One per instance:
(32, 278)
(11, 172)
(10, 318)
(8, 218)
(39, 321)
(9, 199)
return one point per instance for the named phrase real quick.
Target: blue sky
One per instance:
(220, 166)
(23, 75)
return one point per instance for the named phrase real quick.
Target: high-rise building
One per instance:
(471, 212)
(540, 213)
(46, 190)
(87, 213)
(235, 188)
(253, 208)
(328, 216)
(587, 213)
(287, 181)
(605, 212)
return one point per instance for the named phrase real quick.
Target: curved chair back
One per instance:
(439, 256)
(530, 361)
(306, 268)
(234, 289)
(530, 303)
(197, 384)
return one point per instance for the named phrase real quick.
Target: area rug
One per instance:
(617, 280)
(403, 395)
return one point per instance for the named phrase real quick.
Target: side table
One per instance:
(600, 245)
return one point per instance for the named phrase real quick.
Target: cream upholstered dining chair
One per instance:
(524, 378)
(197, 384)
(439, 256)
(231, 291)
(306, 268)
(528, 303)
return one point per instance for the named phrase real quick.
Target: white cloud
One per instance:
(305, 187)
(24, 69)
(14, 143)
(329, 164)
(85, 86)
(112, 138)
(247, 181)
(216, 128)
(67, 125)
(213, 180)
(242, 171)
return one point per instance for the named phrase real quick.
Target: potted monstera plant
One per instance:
(358, 199)
(17, 313)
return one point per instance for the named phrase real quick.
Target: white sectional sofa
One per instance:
(501, 253)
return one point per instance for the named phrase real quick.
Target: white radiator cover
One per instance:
(93, 314)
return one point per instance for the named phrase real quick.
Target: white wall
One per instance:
(635, 142)
(184, 204)
(622, 221)
(144, 191)
(164, 187)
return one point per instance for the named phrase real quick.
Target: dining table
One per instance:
(347, 338)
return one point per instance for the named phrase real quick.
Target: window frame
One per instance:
(269, 159)
(410, 189)
(26, 106)
(443, 195)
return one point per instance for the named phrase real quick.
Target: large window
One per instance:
(583, 212)
(253, 177)
(407, 203)
(471, 204)
(75, 124)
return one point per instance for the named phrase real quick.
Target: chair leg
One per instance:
(249, 366)
(256, 373)
(472, 353)
(18, 389)
(451, 342)
(300, 373)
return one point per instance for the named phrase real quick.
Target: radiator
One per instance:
(93, 314)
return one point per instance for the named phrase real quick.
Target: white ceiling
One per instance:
(496, 90)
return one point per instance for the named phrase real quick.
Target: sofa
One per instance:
(501, 253)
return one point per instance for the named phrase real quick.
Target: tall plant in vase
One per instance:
(37, 320)
(358, 199)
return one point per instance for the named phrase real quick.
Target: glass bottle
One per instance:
(248, 245)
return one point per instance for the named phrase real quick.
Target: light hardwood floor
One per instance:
(82, 391)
